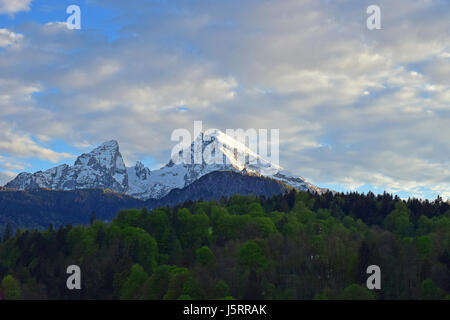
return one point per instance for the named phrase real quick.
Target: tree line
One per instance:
(292, 246)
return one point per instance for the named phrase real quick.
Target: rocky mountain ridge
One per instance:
(104, 168)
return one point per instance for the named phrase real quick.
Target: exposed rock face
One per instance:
(158, 183)
(139, 181)
(104, 168)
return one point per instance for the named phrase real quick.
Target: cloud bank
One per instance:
(354, 107)
(11, 7)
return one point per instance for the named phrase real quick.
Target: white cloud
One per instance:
(8, 38)
(24, 146)
(14, 6)
(11, 164)
(15, 95)
(353, 106)
(446, 196)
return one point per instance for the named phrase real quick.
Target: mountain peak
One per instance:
(108, 145)
(139, 165)
(105, 155)
(212, 133)
(104, 168)
(234, 151)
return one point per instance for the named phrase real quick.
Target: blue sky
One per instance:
(357, 109)
(42, 12)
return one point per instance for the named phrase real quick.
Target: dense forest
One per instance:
(37, 208)
(292, 246)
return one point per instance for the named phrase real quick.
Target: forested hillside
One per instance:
(292, 246)
(39, 208)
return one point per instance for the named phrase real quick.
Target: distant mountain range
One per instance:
(38, 208)
(99, 181)
(104, 168)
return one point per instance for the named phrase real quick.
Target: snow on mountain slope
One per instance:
(101, 168)
(209, 148)
(138, 181)
(104, 168)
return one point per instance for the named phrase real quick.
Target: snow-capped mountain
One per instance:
(209, 148)
(104, 168)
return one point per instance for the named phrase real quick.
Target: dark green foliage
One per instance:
(205, 256)
(252, 255)
(221, 289)
(291, 246)
(430, 291)
(11, 288)
(357, 292)
(132, 286)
